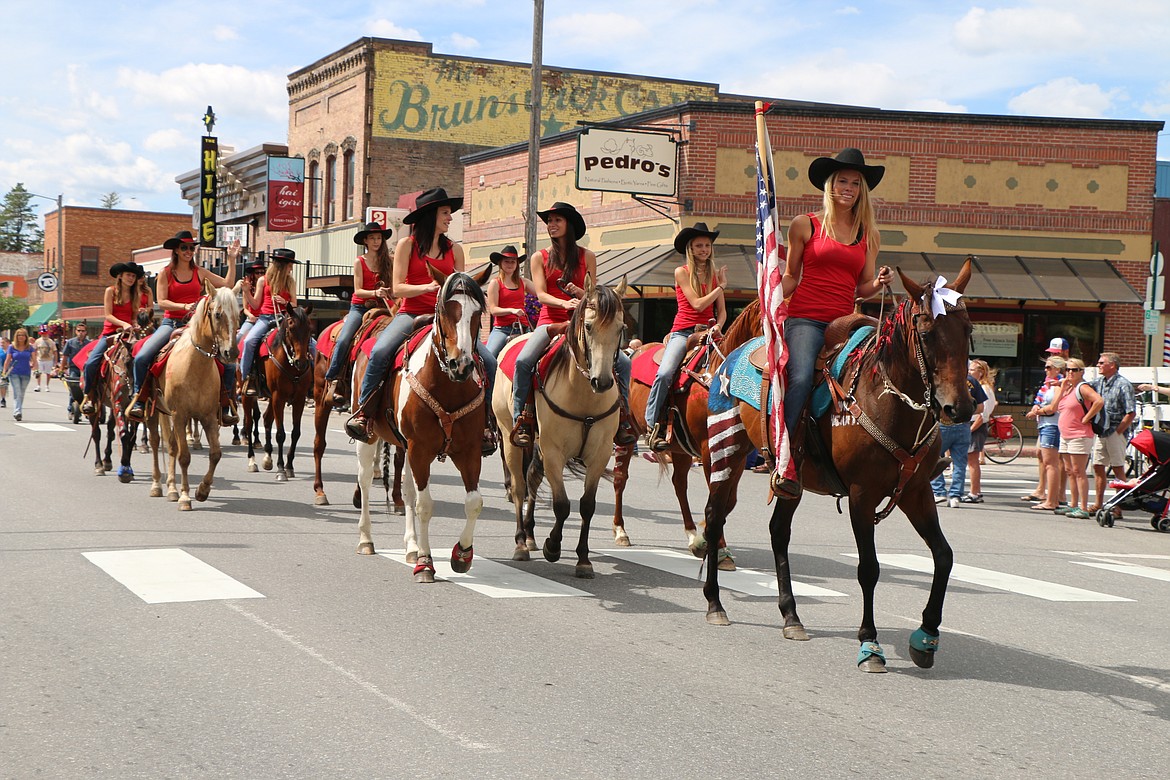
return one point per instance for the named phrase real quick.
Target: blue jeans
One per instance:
(956, 440)
(499, 336)
(150, 350)
(803, 339)
(353, 321)
(526, 362)
(19, 384)
(93, 363)
(263, 324)
(244, 328)
(382, 356)
(672, 358)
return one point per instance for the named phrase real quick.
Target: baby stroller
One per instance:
(1148, 493)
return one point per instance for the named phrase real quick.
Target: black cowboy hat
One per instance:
(432, 199)
(283, 255)
(372, 227)
(256, 266)
(117, 269)
(822, 168)
(182, 237)
(569, 212)
(507, 253)
(685, 236)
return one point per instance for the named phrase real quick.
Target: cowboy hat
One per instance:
(372, 227)
(431, 199)
(507, 253)
(684, 237)
(182, 237)
(570, 213)
(256, 266)
(117, 269)
(822, 168)
(284, 255)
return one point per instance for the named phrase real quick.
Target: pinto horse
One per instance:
(288, 372)
(190, 388)
(689, 443)
(435, 408)
(880, 440)
(576, 415)
(114, 397)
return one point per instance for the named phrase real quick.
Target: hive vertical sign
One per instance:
(208, 173)
(286, 194)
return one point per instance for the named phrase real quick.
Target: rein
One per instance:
(294, 369)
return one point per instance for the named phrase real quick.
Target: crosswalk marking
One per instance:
(1128, 568)
(169, 575)
(45, 427)
(1026, 586)
(1107, 555)
(495, 580)
(750, 582)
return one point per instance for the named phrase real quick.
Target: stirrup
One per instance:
(657, 440)
(88, 407)
(358, 428)
(786, 489)
(521, 435)
(625, 435)
(228, 416)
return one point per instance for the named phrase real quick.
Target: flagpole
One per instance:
(763, 145)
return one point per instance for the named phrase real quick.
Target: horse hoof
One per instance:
(156, 492)
(399, 509)
(412, 557)
(551, 554)
(268, 464)
(280, 477)
(921, 659)
(99, 472)
(253, 468)
(288, 474)
(621, 539)
(461, 559)
(185, 506)
(718, 617)
(126, 479)
(530, 543)
(873, 665)
(424, 570)
(583, 571)
(201, 493)
(699, 548)
(726, 562)
(321, 500)
(796, 633)
(424, 577)
(235, 441)
(365, 548)
(172, 497)
(521, 553)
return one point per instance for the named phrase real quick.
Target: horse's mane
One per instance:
(607, 305)
(746, 326)
(460, 282)
(224, 300)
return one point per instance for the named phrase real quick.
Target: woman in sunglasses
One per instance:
(180, 286)
(1078, 405)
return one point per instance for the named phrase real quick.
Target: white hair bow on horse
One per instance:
(941, 296)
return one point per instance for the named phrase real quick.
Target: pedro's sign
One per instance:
(627, 161)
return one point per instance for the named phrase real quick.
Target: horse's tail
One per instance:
(577, 468)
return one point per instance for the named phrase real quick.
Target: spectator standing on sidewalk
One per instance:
(1047, 418)
(956, 442)
(46, 350)
(1078, 405)
(18, 363)
(4, 344)
(980, 424)
(1120, 406)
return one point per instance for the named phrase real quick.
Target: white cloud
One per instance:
(585, 30)
(171, 138)
(1067, 97)
(462, 43)
(224, 33)
(384, 28)
(1019, 30)
(848, 10)
(87, 100)
(232, 89)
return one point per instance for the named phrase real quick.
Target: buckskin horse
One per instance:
(190, 389)
(576, 416)
(689, 442)
(880, 441)
(288, 373)
(436, 408)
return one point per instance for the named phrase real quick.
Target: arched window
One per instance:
(330, 189)
(350, 170)
(314, 194)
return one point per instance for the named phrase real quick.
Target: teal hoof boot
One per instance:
(923, 646)
(870, 658)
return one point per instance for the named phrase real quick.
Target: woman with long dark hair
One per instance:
(275, 289)
(121, 304)
(505, 299)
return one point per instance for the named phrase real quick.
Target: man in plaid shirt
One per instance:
(1109, 448)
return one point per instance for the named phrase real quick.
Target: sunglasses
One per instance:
(1076, 369)
(186, 247)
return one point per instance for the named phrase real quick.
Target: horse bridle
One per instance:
(296, 368)
(215, 350)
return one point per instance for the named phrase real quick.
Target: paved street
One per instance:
(246, 639)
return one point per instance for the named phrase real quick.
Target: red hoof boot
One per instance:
(461, 559)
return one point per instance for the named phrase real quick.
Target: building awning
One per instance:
(42, 314)
(1073, 280)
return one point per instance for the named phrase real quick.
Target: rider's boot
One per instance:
(657, 440)
(490, 435)
(626, 434)
(88, 407)
(137, 407)
(524, 430)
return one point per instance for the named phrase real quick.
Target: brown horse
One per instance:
(881, 442)
(436, 407)
(190, 389)
(689, 411)
(576, 415)
(287, 371)
(323, 408)
(114, 397)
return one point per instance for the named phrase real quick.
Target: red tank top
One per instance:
(416, 273)
(124, 312)
(829, 276)
(551, 278)
(687, 316)
(369, 281)
(509, 299)
(266, 304)
(182, 292)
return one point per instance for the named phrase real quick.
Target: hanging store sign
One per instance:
(208, 167)
(286, 194)
(627, 161)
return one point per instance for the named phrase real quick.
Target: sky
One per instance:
(109, 97)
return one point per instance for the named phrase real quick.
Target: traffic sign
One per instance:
(1151, 323)
(47, 281)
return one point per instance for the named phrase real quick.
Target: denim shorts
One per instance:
(1048, 437)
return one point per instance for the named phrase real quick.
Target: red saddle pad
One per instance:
(328, 339)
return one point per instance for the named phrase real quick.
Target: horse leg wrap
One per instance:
(924, 642)
(870, 650)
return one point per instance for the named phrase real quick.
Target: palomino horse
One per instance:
(113, 400)
(439, 411)
(189, 388)
(881, 442)
(323, 407)
(288, 373)
(689, 443)
(577, 417)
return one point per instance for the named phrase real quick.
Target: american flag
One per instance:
(769, 272)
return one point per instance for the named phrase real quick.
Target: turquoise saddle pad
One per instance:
(821, 396)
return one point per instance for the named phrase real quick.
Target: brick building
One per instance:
(1058, 211)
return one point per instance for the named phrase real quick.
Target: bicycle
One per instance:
(1004, 440)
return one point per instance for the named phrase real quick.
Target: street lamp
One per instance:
(60, 266)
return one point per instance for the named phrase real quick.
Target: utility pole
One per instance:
(534, 132)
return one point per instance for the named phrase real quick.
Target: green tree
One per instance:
(19, 231)
(111, 200)
(13, 313)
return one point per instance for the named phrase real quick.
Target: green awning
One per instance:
(43, 313)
